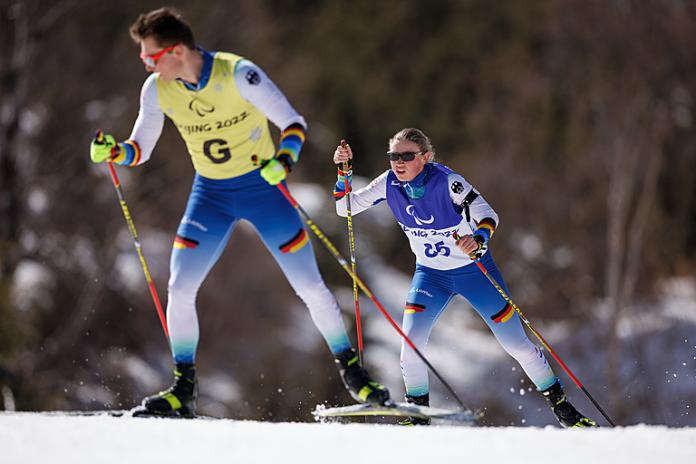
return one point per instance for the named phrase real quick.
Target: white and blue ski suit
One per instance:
(430, 209)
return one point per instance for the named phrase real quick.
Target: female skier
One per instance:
(447, 222)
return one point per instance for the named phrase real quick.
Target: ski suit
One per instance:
(430, 209)
(224, 121)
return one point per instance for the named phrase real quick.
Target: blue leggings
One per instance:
(213, 209)
(431, 290)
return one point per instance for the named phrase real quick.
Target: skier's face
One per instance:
(164, 60)
(407, 170)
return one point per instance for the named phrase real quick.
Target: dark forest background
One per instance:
(573, 117)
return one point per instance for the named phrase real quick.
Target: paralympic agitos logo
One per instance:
(411, 211)
(200, 108)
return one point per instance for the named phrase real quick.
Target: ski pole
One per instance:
(136, 241)
(344, 264)
(351, 240)
(477, 260)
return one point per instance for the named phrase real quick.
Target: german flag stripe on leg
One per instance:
(412, 308)
(296, 243)
(504, 314)
(181, 243)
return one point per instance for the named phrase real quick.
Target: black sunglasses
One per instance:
(405, 156)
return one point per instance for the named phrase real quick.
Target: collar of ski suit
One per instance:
(205, 71)
(415, 188)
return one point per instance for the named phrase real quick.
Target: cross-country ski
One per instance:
(399, 410)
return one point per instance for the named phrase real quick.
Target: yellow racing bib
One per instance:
(221, 129)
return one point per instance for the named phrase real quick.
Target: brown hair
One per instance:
(165, 25)
(411, 134)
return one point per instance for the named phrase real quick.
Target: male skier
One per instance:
(221, 104)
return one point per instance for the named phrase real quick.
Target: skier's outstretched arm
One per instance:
(146, 131)
(360, 200)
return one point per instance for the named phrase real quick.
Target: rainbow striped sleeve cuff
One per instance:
(291, 140)
(486, 228)
(127, 153)
(345, 178)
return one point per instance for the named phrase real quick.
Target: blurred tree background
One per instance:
(574, 118)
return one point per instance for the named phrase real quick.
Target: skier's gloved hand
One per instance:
(102, 147)
(481, 245)
(275, 170)
(343, 155)
(473, 245)
(342, 159)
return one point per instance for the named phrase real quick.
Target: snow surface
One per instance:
(41, 438)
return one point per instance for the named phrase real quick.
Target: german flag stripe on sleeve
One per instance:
(294, 131)
(181, 243)
(296, 243)
(291, 141)
(488, 224)
(345, 178)
(135, 149)
(119, 154)
(127, 153)
(503, 315)
(412, 308)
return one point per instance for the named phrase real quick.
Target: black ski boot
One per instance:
(358, 382)
(179, 400)
(423, 400)
(567, 415)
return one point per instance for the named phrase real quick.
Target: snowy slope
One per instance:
(37, 438)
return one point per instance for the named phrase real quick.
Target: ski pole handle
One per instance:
(474, 255)
(346, 166)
